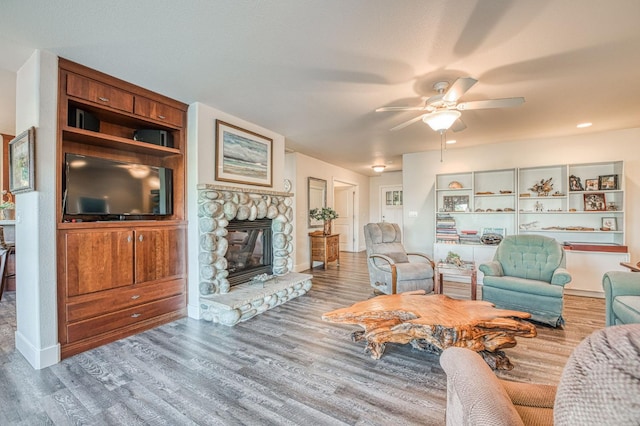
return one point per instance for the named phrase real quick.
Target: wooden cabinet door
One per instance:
(102, 94)
(158, 111)
(160, 253)
(98, 260)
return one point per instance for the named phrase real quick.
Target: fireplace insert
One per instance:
(250, 251)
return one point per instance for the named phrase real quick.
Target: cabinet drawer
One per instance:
(105, 323)
(158, 111)
(114, 300)
(99, 93)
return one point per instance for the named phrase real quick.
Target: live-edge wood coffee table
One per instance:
(434, 323)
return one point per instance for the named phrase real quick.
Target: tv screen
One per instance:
(99, 186)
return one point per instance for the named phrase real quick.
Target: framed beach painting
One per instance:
(243, 156)
(21, 162)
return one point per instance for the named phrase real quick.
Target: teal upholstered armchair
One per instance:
(528, 274)
(622, 294)
(391, 268)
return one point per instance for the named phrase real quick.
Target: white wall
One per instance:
(419, 170)
(8, 102)
(36, 304)
(375, 182)
(306, 167)
(201, 143)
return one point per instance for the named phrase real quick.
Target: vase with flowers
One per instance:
(326, 214)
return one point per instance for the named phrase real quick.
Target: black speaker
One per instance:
(83, 120)
(156, 137)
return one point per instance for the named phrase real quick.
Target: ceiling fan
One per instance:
(443, 109)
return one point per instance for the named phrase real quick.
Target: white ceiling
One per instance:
(315, 70)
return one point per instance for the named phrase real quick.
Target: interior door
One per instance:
(391, 204)
(344, 200)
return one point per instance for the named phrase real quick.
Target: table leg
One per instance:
(439, 283)
(474, 283)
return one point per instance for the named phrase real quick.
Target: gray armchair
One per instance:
(528, 274)
(599, 386)
(390, 268)
(622, 295)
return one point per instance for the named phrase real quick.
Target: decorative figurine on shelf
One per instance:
(539, 207)
(542, 188)
(326, 214)
(575, 184)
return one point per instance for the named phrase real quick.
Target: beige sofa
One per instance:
(600, 385)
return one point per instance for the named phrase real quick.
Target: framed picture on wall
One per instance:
(608, 182)
(22, 162)
(595, 202)
(591, 185)
(243, 156)
(609, 223)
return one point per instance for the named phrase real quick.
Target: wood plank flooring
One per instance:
(284, 367)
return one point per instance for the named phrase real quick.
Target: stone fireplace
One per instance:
(218, 206)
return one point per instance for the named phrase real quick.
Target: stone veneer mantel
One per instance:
(219, 204)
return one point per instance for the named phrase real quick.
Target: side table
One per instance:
(468, 269)
(324, 248)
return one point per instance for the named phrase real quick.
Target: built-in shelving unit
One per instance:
(116, 278)
(579, 216)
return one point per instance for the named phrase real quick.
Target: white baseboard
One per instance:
(38, 358)
(193, 311)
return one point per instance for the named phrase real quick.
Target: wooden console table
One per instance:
(324, 248)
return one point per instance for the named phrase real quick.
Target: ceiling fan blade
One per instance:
(400, 108)
(406, 123)
(491, 103)
(458, 125)
(459, 88)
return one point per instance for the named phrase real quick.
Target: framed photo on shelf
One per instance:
(610, 223)
(591, 185)
(595, 202)
(608, 182)
(455, 203)
(242, 156)
(22, 162)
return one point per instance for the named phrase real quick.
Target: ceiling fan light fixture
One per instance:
(441, 121)
(378, 168)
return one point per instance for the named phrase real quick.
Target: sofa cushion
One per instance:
(627, 309)
(523, 285)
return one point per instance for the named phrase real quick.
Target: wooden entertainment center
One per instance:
(118, 277)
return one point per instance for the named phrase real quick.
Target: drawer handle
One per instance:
(141, 237)
(135, 315)
(161, 117)
(129, 239)
(103, 99)
(135, 296)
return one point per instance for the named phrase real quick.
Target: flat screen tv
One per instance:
(101, 187)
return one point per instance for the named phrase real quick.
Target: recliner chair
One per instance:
(390, 268)
(528, 274)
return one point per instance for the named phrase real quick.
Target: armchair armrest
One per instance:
(433, 265)
(619, 283)
(475, 396)
(392, 264)
(493, 268)
(561, 277)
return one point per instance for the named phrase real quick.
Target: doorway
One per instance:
(345, 200)
(391, 204)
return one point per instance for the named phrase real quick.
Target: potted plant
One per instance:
(7, 206)
(326, 214)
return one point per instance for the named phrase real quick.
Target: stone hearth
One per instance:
(217, 205)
